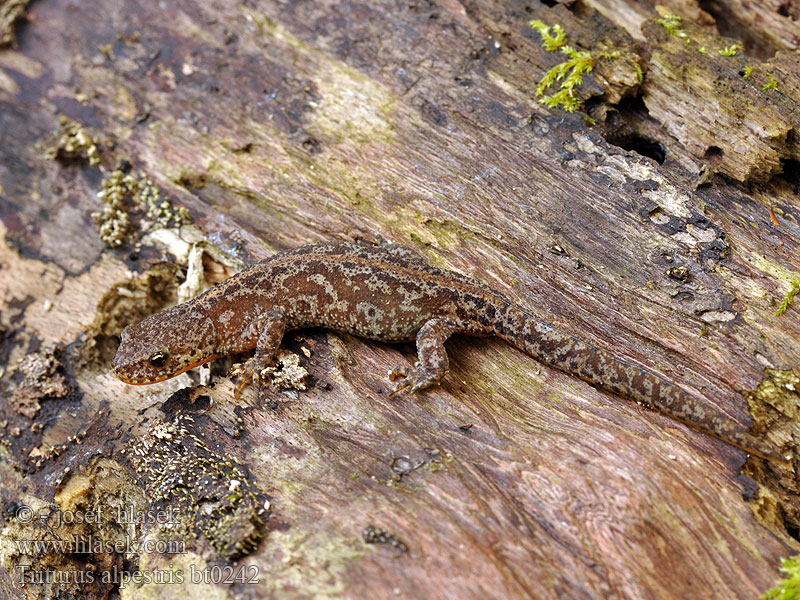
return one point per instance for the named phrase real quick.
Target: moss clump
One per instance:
(731, 50)
(672, 23)
(772, 84)
(570, 72)
(787, 588)
(125, 195)
(553, 37)
(788, 298)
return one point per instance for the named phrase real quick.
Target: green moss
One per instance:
(570, 72)
(731, 50)
(787, 299)
(772, 84)
(746, 72)
(672, 23)
(787, 588)
(550, 42)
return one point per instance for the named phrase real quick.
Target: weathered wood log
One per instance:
(280, 124)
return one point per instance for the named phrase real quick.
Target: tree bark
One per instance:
(658, 221)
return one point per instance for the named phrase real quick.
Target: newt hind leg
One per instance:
(432, 361)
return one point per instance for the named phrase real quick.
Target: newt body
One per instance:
(385, 293)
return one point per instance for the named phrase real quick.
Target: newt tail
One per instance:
(603, 370)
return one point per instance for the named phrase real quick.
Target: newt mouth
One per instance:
(119, 373)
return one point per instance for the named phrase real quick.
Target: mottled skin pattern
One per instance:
(385, 293)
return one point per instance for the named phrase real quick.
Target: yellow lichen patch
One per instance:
(72, 142)
(208, 492)
(763, 263)
(123, 197)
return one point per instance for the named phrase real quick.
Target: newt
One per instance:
(390, 294)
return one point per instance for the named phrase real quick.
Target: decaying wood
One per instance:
(697, 98)
(281, 124)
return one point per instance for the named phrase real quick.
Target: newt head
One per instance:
(164, 345)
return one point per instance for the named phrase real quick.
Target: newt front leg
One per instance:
(270, 329)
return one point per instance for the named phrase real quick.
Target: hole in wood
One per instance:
(713, 154)
(622, 129)
(793, 531)
(791, 173)
(787, 10)
(645, 147)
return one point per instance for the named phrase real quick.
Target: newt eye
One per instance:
(158, 359)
